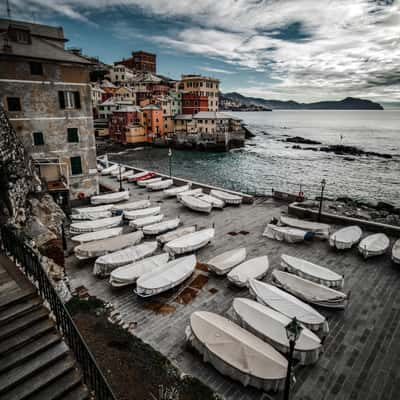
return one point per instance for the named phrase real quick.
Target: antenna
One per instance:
(8, 9)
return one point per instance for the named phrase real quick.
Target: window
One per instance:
(69, 100)
(20, 35)
(76, 165)
(73, 136)
(38, 139)
(14, 104)
(36, 68)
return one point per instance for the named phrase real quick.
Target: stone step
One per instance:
(59, 387)
(32, 385)
(21, 373)
(18, 309)
(27, 335)
(12, 298)
(22, 323)
(29, 350)
(79, 393)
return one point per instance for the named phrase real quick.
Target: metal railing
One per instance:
(16, 246)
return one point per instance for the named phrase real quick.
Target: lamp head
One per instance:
(323, 182)
(293, 330)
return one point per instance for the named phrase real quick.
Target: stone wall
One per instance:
(16, 174)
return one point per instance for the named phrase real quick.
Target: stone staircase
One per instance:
(35, 362)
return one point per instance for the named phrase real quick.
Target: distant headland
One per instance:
(237, 102)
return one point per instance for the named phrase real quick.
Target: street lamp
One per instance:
(121, 189)
(323, 184)
(170, 161)
(293, 331)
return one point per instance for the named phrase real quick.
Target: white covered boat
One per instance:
(374, 245)
(396, 252)
(150, 220)
(138, 175)
(223, 263)
(161, 227)
(235, 352)
(110, 198)
(99, 248)
(126, 175)
(144, 212)
(196, 204)
(115, 172)
(312, 272)
(130, 273)
(91, 216)
(89, 210)
(214, 201)
(173, 191)
(98, 235)
(255, 268)
(286, 233)
(160, 185)
(191, 242)
(270, 326)
(228, 198)
(134, 205)
(97, 225)
(175, 234)
(145, 182)
(108, 170)
(345, 238)
(105, 264)
(309, 291)
(319, 229)
(193, 192)
(288, 305)
(166, 276)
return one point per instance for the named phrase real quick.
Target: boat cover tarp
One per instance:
(166, 276)
(133, 205)
(195, 204)
(173, 191)
(128, 274)
(228, 198)
(191, 242)
(345, 238)
(117, 171)
(175, 234)
(108, 170)
(214, 201)
(255, 268)
(270, 326)
(223, 263)
(374, 245)
(235, 352)
(105, 264)
(316, 227)
(161, 227)
(144, 212)
(288, 305)
(309, 291)
(150, 220)
(101, 247)
(110, 198)
(160, 185)
(396, 252)
(145, 182)
(193, 192)
(95, 209)
(285, 233)
(91, 216)
(97, 225)
(313, 272)
(98, 235)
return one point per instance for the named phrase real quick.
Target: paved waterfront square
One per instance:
(362, 352)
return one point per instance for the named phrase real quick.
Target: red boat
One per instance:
(145, 177)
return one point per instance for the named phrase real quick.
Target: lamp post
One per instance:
(323, 184)
(121, 189)
(60, 201)
(170, 161)
(293, 331)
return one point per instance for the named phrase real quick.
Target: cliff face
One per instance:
(16, 174)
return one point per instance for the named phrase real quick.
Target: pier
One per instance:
(361, 353)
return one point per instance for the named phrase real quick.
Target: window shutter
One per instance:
(76, 165)
(61, 100)
(73, 135)
(77, 100)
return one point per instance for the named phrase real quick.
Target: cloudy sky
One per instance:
(304, 50)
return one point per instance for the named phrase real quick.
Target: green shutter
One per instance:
(77, 100)
(76, 165)
(61, 99)
(73, 135)
(38, 139)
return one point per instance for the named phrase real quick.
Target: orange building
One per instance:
(153, 119)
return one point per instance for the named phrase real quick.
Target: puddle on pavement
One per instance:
(199, 282)
(213, 290)
(202, 267)
(160, 308)
(186, 296)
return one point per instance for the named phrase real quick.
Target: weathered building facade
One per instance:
(141, 61)
(45, 92)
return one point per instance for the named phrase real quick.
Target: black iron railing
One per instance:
(16, 247)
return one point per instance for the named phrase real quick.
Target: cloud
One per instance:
(217, 70)
(304, 49)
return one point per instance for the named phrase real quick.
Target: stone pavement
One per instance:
(362, 352)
